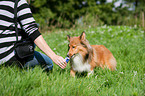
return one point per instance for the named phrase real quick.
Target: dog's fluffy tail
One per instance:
(112, 63)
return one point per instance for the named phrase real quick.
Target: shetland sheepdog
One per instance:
(85, 57)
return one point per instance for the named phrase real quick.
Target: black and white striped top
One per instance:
(7, 30)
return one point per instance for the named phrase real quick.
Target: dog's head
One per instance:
(78, 45)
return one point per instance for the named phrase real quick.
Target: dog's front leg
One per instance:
(72, 72)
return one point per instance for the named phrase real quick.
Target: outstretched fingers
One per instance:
(61, 63)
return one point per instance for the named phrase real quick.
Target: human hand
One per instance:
(60, 61)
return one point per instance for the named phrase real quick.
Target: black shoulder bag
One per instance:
(25, 47)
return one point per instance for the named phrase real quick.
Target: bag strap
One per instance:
(15, 18)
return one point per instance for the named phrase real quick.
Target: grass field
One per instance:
(127, 45)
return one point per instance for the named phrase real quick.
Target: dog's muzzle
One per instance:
(71, 56)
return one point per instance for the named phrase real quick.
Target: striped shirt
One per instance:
(7, 27)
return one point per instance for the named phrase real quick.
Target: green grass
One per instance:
(127, 45)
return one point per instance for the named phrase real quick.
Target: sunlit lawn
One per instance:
(126, 43)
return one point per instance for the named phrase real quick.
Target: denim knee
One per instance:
(44, 60)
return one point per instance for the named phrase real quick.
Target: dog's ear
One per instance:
(68, 37)
(83, 36)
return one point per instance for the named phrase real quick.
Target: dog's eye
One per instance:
(73, 46)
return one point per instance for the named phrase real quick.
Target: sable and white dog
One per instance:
(85, 57)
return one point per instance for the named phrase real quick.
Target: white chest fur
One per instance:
(78, 65)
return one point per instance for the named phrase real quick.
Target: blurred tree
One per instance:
(66, 13)
(139, 10)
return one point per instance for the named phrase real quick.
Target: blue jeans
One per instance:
(39, 59)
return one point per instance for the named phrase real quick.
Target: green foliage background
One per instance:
(75, 13)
